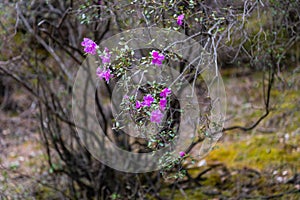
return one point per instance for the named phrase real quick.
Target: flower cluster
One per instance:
(180, 19)
(163, 101)
(156, 115)
(157, 58)
(181, 154)
(148, 100)
(165, 92)
(157, 98)
(152, 104)
(90, 46)
(104, 73)
(106, 57)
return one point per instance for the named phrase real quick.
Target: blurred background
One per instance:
(256, 45)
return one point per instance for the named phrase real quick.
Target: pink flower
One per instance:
(148, 99)
(181, 154)
(156, 116)
(106, 57)
(162, 103)
(157, 58)
(180, 19)
(90, 46)
(165, 92)
(138, 104)
(106, 74)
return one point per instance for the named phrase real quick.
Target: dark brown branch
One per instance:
(266, 102)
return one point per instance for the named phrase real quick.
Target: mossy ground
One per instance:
(260, 163)
(255, 164)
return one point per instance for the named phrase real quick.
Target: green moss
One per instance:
(193, 172)
(259, 152)
(196, 193)
(254, 150)
(213, 180)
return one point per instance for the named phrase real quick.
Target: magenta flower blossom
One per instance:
(106, 57)
(106, 74)
(162, 103)
(157, 58)
(138, 104)
(165, 92)
(156, 116)
(148, 99)
(90, 46)
(181, 154)
(180, 19)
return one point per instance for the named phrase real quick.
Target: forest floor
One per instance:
(263, 163)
